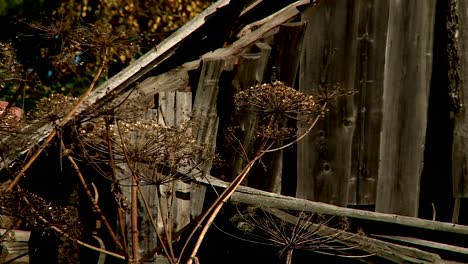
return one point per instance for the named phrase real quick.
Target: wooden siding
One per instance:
(408, 67)
(324, 156)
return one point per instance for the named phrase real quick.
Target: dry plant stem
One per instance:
(153, 224)
(165, 221)
(93, 201)
(63, 122)
(289, 255)
(302, 136)
(134, 200)
(134, 194)
(218, 204)
(120, 212)
(61, 232)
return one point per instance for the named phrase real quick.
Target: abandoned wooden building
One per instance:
(388, 154)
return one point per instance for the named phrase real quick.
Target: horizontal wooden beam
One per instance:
(260, 198)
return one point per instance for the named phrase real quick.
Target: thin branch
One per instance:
(62, 123)
(217, 205)
(302, 136)
(93, 201)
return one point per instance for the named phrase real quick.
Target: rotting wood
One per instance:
(268, 28)
(426, 244)
(260, 198)
(15, 245)
(458, 91)
(407, 75)
(369, 64)
(288, 44)
(393, 252)
(205, 106)
(121, 81)
(250, 71)
(178, 78)
(324, 155)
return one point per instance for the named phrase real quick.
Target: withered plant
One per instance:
(308, 231)
(273, 104)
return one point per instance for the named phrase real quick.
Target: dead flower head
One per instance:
(276, 100)
(158, 154)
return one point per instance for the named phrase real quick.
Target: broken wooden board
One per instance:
(118, 83)
(389, 251)
(259, 198)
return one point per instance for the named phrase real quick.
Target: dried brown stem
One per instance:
(218, 204)
(93, 201)
(153, 224)
(62, 123)
(64, 234)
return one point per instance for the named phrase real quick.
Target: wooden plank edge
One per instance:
(425, 243)
(256, 197)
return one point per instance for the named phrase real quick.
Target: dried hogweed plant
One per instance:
(274, 104)
(307, 231)
(156, 153)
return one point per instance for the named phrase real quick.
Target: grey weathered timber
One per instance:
(118, 83)
(265, 199)
(288, 44)
(370, 60)
(392, 252)
(178, 78)
(205, 104)
(250, 71)
(408, 67)
(182, 190)
(324, 156)
(269, 26)
(426, 244)
(286, 59)
(14, 247)
(460, 133)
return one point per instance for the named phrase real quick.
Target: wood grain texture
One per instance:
(460, 134)
(408, 68)
(324, 156)
(370, 60)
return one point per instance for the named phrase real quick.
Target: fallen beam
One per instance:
(386, 250)
(260, 198)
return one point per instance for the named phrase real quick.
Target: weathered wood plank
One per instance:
(370, 61)
(426, 243)
(257, 32)
(286, 56)
(121, 81)
(205, 103)
(250, 71)
(287, 51)
(393, 252)
(405, 103)
(324, 156)
(460, 93)
(14, 247)
(265, 199)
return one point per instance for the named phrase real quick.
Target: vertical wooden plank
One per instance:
(166, 109)
(371, 37)
(183, 199)
(287, 51)
(324, 156)
(460, 134)
(206, 122)
(405, 101)
(250, 71)
(205, 104)
(286, 56)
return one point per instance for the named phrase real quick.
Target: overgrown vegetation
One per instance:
(120, 146)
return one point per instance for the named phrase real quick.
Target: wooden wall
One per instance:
(370, 148)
